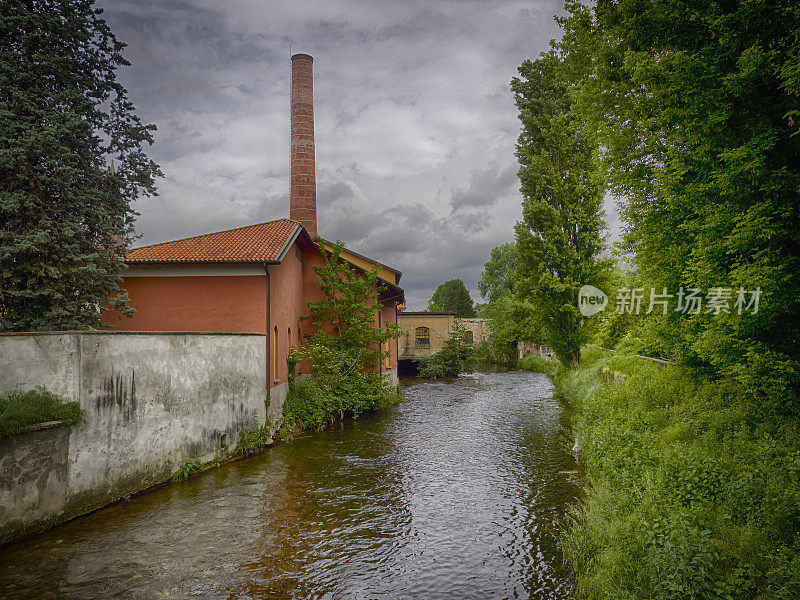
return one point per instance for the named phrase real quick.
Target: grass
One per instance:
(20, 410)
(693, 492)
(537, 364)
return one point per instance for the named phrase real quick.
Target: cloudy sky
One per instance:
(415, 124)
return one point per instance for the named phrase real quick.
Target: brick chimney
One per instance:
(303, 184)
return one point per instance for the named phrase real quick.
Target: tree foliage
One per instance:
(346, 349)
(558, 240)
(497, 279)
(696, 108)
(65, 215)
(452, 297)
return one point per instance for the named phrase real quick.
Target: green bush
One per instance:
(310, 405)
(538, 364)
(20, 410)
(693, 493)
(456, 356)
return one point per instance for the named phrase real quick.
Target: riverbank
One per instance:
(693, 492)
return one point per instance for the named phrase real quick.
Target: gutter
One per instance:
(269, 334)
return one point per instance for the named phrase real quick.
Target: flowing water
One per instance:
(456, 493)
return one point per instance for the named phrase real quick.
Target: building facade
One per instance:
(257, 278)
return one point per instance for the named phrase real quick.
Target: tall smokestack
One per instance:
(303, 184)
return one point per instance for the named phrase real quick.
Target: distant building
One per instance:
(424, 332)
(477, 327)
(257, 278)
(532, 348)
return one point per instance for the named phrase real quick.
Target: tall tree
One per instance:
(452, 297)
(497, 279)
(65, 213)
(559, 238)
(697, 108)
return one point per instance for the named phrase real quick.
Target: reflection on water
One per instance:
(456, 493)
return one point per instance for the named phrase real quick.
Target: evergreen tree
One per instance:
(65, 213)
(559, 237)
(452, 297)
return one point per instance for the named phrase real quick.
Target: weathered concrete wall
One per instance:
(151, 401)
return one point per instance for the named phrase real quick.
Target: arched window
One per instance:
(275, 355)
(288, 340)
(422, 337)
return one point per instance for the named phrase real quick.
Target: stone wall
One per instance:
(150, 401)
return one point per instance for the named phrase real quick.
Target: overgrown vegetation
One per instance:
(693, 494)
(252, 441)
(345, 352)
(536, 364)
(456, 356)
(20, 410)
(187, 468)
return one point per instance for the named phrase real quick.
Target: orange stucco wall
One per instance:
(204, 303)
(287, 305)
(239, 304)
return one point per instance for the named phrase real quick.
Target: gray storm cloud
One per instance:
(415, 124)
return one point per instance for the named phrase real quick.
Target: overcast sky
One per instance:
(415, 123)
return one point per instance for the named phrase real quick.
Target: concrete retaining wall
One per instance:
(150, 400)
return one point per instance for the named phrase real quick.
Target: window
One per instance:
(470, 337)
(422, 337)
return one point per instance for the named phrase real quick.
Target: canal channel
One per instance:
(456, 493)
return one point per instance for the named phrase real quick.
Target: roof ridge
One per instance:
(192, 237)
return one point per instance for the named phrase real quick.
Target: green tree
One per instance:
(511, 320)
(559, 238)
(65, 214)
(346, 349)
(696, 107)
(497, 279)
(452, 297)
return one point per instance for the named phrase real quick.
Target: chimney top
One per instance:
(302, 176)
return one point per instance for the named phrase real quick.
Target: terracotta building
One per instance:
(252, 279)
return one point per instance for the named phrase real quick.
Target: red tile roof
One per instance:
(262, 242)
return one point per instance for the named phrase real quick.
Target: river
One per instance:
(458, 492)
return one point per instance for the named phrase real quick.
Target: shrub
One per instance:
(456, 356)
(20, 410)
(312, 406)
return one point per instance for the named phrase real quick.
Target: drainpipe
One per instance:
(269, 333)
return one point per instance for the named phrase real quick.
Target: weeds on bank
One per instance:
(252, 441)
(187, 468)
(19, 410)
(693, 493)
(536, 364)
